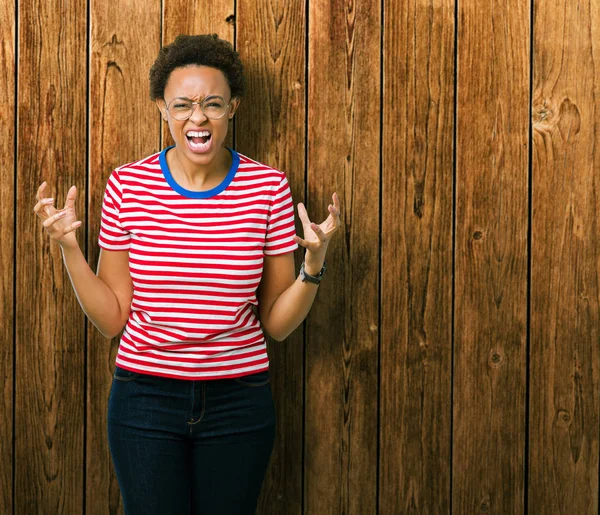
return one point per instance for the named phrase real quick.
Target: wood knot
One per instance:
(569, 120)
(544, 113)
(477, 235)
(495, 358)
(563, 418)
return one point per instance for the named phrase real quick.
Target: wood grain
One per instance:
(124, 126)
(565, 259)
(197, 17)
(416, 271)
(50, 342)
(429, 463)
(7, 247)
(270, 128)
(340, 474)
(491, 257)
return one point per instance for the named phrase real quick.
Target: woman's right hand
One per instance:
(59, 224)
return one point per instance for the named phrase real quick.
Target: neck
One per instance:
(198, 176)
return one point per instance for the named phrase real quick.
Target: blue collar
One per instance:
(199, 194)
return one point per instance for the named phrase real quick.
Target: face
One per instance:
(197, 139)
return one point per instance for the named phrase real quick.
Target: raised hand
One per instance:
(317, 237)
(59, 224)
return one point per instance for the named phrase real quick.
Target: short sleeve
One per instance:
(112, 234)
(280, 224)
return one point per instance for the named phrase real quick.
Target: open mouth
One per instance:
(199, 141)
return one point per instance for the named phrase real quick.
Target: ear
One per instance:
(235, 102)
(162, 107)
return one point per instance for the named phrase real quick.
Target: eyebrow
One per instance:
(205, 98)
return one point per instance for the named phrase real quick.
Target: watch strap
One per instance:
(315, 279)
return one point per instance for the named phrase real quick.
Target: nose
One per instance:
(198, 115)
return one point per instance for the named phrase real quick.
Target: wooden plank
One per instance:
(416, 280)
(124, 126)
(491, 257)
(342, 331)
(50, 343)
(198, 17)
(270, 128)
(565, 259)
(7, 246)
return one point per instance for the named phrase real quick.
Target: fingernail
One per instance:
(48, 201)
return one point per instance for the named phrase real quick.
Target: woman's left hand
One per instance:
(317, 237)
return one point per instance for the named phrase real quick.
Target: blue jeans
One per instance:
(185, 447)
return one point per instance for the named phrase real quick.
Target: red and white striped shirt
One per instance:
(196, 259)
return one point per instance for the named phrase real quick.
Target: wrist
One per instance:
(313, 263)
(69, 247)
(312, 270)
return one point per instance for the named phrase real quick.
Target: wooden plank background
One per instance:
(450, 363)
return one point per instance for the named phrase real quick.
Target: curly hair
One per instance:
(202, 50)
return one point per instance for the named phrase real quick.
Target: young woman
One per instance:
(196, 261)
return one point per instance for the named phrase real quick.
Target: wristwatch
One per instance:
(312, 278)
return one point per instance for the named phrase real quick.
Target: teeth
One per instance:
(198, 134)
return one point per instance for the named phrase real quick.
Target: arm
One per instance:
(106, 297)
(283, 300)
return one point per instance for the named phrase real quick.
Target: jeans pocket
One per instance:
(121, 374)
(256, 379)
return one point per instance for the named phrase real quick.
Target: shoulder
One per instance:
(271, 181)
(149, 162)
(143, 168)
(251, 166)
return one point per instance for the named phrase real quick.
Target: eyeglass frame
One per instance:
(194, 104)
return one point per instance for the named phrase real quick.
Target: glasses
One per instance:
(213, 107)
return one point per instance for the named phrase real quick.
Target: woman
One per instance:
(196, 255)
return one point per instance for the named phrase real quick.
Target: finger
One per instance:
(302, 242)
(334, 209)
(333, 213)
(334, 218)
(49, 221)
(42, 204)
(71, 197)
(39, 195)
(318, 232)
(303, 214)
(336, 201)
(74, 226)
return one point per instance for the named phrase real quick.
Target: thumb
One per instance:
(302, 213)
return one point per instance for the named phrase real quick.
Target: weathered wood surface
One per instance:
(416, 280)
(50, 339)
(342, 334)
(441, 348)
(124, 126)
(270, 128)
(565, 268)
(7, 248)
(491, 257)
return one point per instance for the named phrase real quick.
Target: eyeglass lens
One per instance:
(182, 109)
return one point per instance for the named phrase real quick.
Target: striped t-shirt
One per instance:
(196, 259)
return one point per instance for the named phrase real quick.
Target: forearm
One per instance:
(290, 309)
(97, 300)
